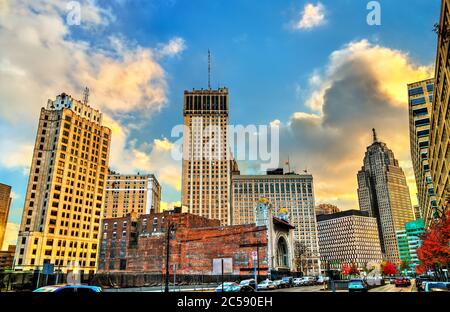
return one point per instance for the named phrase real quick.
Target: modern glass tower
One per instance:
(420, 96)
(384, 194)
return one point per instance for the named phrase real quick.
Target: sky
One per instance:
(316, 69)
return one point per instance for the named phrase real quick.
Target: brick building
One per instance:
(138, 244)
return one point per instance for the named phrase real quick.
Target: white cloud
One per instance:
(363, 86)
(174, 47)
(311, 16)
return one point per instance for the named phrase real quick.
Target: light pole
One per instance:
(170, 228)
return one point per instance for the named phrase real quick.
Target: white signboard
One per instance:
(227, 266)
(254, 255)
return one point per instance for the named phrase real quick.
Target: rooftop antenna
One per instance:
(209, 69)
(86, 96)
(288, 163)
(374, 135)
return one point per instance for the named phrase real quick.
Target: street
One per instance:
(319, 288)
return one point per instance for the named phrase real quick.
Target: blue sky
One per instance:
(256, 52)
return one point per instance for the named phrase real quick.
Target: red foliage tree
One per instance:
(345, 269)
(354, 269)
(434, 253)
(389, 268)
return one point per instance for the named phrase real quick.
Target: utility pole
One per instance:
(170, 227)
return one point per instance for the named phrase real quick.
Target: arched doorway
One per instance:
(282, 253)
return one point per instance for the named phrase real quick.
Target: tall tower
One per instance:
(420, 96)
(384, 194)
(5, 204)
(207, 161)
(66, 188)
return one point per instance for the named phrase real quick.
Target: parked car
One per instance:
(248, 282)
(288, 280)
(280, 284)
(298, 281)
(309, 281)
(437, 286)
(402, 282)
(357, 285)
(421, 280)
(322, 279)
(228, 287)
(266, 285)
(80, 289)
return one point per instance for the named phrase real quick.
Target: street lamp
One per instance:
(170, 232)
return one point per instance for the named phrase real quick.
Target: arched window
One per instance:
(282, 252)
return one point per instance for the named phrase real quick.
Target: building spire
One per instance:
(374, 135)
(209, 69)
(86, 96)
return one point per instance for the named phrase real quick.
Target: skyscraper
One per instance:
(439, 149)
(420, 101)
(291, 193)
(66, 187)
(5, 204)
(384, 194)
(207, 162)
(140, 193)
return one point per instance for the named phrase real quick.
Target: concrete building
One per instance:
(5, 204)
(439, 150)
(291, 192)
(7, 258)
(420, 96)
(66, 187)
(348, 237)
(131, 193)
(138, 244)
(207, 161)
(417, 212)
(384, 194)
(322, 209)
(409, 241)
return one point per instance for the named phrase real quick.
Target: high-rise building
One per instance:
(409, 241)
(420, 101)
(140, 193)
(322, 209)
(5, 204)
(384, 194)
(291, 193)
(7, 258)
(417, 212)
(66, 188)
(348, 237)
(207, 162)
(439, 150)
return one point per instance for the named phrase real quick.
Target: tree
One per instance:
(345, 269)
(389, 268)
(354, 269)
(434, 252)
(405, 265)
(300, 256)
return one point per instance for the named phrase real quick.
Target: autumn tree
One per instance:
(434, 252)
(389, 268)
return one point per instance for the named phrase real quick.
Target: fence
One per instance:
(28, 281)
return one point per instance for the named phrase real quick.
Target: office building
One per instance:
(207, 163)
(292, 193)
(140, 193)
(420, 96)
(348, 237)
(439, 150)
(7, 258)
(409, 240)
(5, 204)
(384, 194)
(66, 187)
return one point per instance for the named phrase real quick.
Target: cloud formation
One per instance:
(125, 79)
(312, 16)
(12, 230)
(362, 87)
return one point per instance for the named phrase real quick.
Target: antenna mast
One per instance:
(209, 69)
(86, 96)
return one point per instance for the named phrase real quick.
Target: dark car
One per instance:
(289, 281)
(421, 280)
(248, 283)
(402, 282)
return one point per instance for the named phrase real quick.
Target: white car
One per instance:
(298, 281)
(266, 285)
